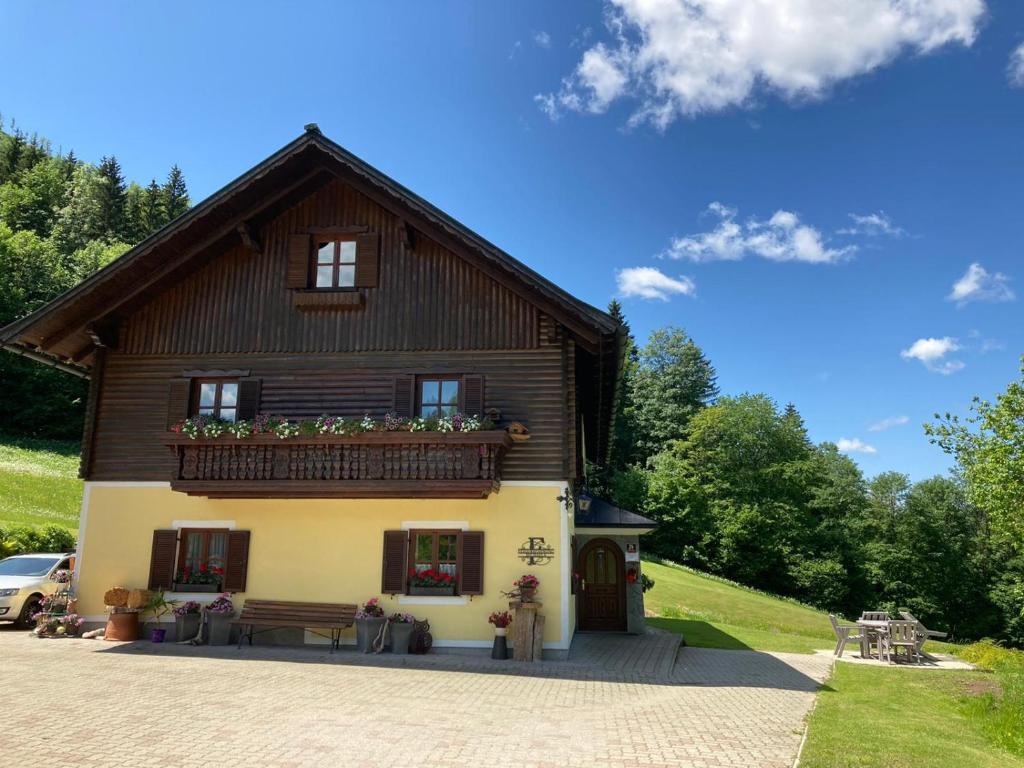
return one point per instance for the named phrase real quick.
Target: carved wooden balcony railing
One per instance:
(367, 465)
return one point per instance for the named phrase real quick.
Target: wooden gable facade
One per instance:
(227, 291)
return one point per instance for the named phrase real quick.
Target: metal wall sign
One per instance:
(534, 551)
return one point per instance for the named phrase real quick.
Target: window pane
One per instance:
(448, 568)
(207, 394)
(218, 546)
(194, 551)
(229, 394)
(206, 411)
(430, 411)
(447, 548)
(325, 253)
(346, 276)
(449, 410)
(348, 252)
(228, 414)
(429, 392)
(425, 548)
(325, 277)
(450, 392)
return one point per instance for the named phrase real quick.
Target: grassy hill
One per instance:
(714, 613)
(39, 483)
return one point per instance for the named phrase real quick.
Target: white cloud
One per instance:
(652, 283)
(689, 57)
(978, 284)
(781, 238)
(542, 38)
(854, 445)
(889, 423)
(1015, 70)
(932, 352)
(872, 224)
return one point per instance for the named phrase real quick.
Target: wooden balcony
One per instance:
(439, 465)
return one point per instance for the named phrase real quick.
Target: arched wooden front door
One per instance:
(602, 594)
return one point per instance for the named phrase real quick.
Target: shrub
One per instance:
(19, 539)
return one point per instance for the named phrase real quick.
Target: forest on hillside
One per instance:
(739, 490)
(61, 219)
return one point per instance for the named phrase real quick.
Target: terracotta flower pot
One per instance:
(122, 626)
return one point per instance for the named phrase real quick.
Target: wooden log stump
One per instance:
(527, 631)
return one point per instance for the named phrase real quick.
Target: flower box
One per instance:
(432, 591)
(207, 588)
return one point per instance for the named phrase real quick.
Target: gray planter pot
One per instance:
(187, 626)
(218, 628)
(432, 591)
(366, 631)
(209, 588)
(400, 633)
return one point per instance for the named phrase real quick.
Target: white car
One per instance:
(25, 579)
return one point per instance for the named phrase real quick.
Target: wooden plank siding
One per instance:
(427, 298)
(526, 385)
(431, 312)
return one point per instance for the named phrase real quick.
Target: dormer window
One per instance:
(335, 265)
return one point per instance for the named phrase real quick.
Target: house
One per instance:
(315, 285)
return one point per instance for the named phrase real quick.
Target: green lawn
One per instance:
(868, 717)
(710, 613)
(39, 483)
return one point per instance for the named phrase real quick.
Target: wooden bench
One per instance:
(277, 614)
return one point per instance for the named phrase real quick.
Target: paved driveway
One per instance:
(82, 702)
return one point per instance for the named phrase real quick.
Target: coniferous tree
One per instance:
(153, 214)
(112, 197)
(175, 194)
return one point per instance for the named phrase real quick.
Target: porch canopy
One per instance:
(604, 517)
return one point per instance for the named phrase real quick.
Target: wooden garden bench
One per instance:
(277, 614)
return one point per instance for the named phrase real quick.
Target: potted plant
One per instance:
(58, 625)
(187, 618)
(527, 587)
(123, 622)
(369, 622)
(218, 619)
(431, 582)
(400, 626)
(158, 606)
(500, 620)
(202, 579)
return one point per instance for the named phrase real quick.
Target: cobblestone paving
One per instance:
(91, 703)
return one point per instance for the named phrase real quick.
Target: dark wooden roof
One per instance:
(63, 330)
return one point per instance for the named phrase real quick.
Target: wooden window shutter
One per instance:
(405, 396)
(248, 398)
(396, 551)
(161, 561)
(473, 395)
(367, 260)
(236, 561)
(471, 563)
(177, 401)
(298, 262)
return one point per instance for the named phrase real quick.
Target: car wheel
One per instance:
(30, 608)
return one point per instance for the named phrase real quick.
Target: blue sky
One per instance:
(588, 139)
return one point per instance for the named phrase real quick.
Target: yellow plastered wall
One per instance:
(325, 550)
